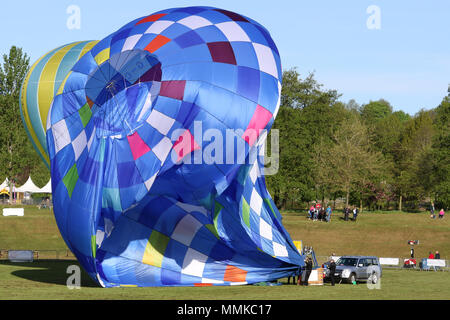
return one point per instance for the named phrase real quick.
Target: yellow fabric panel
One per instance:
(154, 251)
(26, 116)
(88, 47)
(47, 82)
(61, 87)
(102, 56)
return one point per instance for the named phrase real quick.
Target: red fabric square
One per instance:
(259, 120)
(152, 18)
(156, 43)
(222, 52)
(137, 145)
(173, 89)
(185, 145)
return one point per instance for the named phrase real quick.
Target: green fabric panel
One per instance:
(213, 230)
(71, 179)
(85, 114)
(246, 212)
(266, 200)
(93, 245)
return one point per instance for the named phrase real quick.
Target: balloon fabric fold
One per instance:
(155, 139)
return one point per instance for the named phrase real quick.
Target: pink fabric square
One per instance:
(185, 145)
(260, 119)
(137, 145)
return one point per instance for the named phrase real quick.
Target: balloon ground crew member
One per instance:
(332, 268)
(307, 272)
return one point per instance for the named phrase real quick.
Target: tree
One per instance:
(375, 110)
(348, 164)
(17, 156)
(307, 113)
(12, 72)
(440, 155)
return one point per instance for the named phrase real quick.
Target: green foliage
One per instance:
(368, 154)
(375, 111)
(17, 156)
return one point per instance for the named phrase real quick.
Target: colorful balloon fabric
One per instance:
(40, 86)
(146, 188)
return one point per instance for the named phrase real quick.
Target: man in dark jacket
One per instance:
(332, 268)
(437, 255)
(308, 270)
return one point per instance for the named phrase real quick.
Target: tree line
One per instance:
(367, 154)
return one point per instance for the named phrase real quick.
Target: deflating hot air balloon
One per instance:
(40, 86)
(154, 139)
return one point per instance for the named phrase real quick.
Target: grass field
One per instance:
(381, 234)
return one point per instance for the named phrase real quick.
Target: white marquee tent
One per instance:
(28, 186)
(47, 188)
(5, 184)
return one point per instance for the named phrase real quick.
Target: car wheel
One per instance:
(373, 278)
(352, 278)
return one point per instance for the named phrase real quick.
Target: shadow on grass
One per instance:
(49, 271)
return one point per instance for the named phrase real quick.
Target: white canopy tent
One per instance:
(28, 186)
(5, 184)
(47, 188)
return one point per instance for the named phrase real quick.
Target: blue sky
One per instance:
(406, 61)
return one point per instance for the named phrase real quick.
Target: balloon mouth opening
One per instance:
(122, 90)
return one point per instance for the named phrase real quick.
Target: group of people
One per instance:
(433, 214)
(437, 255)
(317, 212)
(347, 211)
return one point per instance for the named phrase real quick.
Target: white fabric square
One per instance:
(207, 280)
(238, 283)
(233, 31)
(256, 202)
(279, 250)
(265, 230)
(194, 263)
(277, 108)
(131, 42)
(186, 229)
(266, 59)
(254, 172)
(149, 182)
(160, 121)
(61, 135)
(195, 22)
(90, 140)
(159, 26)
(191, 208)
(162, 149)
(79, 144)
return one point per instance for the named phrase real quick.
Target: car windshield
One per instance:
(347, 262)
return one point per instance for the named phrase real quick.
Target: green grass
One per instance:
(47, 280)
(382, 234)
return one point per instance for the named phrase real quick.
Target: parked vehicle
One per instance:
(357, 268)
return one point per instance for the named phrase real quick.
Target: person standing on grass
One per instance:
(437, 255)
(432, 215)
(311, 212)
(346, 212)
(332, 268)
(431, 255)
(308, 269)
(441, 213)
(355, 213)
(329, 211)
